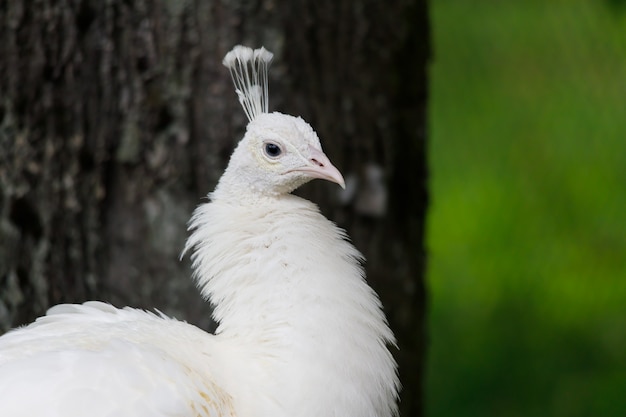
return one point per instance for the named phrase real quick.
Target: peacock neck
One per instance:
(288, 289)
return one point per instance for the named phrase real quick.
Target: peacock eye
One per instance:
(272, 150)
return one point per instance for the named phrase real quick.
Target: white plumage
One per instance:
(300, 333)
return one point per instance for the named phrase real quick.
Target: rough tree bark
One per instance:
(116, 118)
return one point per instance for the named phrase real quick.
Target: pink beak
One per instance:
(321, 167)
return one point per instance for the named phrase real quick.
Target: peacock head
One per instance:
(279, 152)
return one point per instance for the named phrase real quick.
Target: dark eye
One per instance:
(272, 150)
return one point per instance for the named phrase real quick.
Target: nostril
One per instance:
(316, 162)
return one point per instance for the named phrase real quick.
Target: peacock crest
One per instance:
(248, 68)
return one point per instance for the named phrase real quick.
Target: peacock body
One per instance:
(300, 332)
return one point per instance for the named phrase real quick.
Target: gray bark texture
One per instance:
(117, 118)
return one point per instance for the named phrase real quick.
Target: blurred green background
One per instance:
(527, 228)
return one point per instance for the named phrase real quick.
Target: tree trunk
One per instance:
(117, 117)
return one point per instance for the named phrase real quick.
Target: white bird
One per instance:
(300, 332)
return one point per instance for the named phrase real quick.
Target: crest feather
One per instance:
(248, 69)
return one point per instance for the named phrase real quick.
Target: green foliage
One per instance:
(527, 230)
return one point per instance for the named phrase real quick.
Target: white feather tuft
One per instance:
(248, 69)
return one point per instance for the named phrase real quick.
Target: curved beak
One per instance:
(321, 167)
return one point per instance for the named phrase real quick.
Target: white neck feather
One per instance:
(282, 277)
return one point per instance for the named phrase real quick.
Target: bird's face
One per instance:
(280, 153)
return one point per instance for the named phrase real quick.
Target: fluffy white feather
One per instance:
(300, 332)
